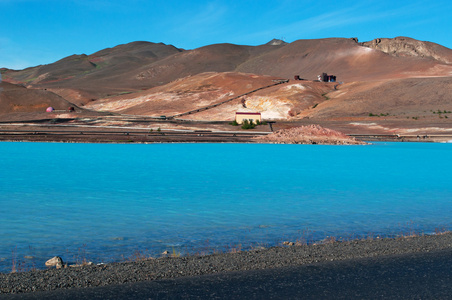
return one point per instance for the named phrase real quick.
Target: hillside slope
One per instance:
(141, 65)
(18, 99)
(398, 78)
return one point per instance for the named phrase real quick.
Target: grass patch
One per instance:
(442, 112)
(378, 115)
(248, 124)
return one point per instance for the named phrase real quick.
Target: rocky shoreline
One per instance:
(173, 267)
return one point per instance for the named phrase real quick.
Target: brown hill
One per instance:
(103, 72)
(132, 67)
(141, 65)
(400, 98)
(401, 77)
(347, 59)
(18, 99)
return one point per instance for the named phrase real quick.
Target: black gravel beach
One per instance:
(177, 267)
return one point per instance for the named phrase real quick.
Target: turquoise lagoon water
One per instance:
(104, 202)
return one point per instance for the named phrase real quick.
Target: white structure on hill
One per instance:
(250, 116)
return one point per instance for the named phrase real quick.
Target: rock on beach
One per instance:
(55, 261)
(173, 267)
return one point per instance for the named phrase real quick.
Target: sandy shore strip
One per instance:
(174, 267)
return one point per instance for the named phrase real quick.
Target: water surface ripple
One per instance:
(106, 201)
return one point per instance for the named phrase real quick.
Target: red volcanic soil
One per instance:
(276, 102)
(188, 94)
(312, 134)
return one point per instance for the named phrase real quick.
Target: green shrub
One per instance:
(248, 124)
(234, 123)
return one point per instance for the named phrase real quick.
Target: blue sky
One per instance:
(34, 32)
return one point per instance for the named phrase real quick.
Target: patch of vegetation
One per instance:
(248, 124)
(175, 253)
(378, 115)
(324, 95)
(442, 112)
(315, 105)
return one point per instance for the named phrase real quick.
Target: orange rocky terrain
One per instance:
(276, 102)
(313, 134)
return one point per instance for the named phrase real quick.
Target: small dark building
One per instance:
(297, 77)
(327, 78)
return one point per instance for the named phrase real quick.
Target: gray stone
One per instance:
(55, 262)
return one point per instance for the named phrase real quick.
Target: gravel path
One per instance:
(164, 268)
